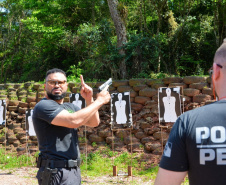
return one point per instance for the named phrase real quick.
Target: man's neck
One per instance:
(61, 101)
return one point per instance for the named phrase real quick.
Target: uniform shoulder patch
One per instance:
(168, 149)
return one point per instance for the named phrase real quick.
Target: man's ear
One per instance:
(216, 72)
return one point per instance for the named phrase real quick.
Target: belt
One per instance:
(58, 163)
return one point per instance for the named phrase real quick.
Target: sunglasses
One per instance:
(53, 82)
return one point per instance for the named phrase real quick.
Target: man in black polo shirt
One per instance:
(197, 141)
(56, 123)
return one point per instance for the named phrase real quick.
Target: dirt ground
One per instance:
(20, 176)
(26, 176)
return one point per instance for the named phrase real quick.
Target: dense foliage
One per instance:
(171, 37)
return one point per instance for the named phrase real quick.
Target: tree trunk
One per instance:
(140, 17)
(120, 29)
(144, 17)
(221, 21)
(159, 6)
(93, 13)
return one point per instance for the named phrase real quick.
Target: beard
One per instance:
(56, 96)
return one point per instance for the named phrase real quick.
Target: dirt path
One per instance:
(26, 176)
(20, 176)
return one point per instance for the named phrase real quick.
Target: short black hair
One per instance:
(55, 70)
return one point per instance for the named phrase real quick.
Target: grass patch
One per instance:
(101, 162)
(98, 163)
(9, 160)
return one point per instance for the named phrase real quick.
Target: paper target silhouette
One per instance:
(2, 112)
(121, 115)
(169, 104)
(77, 100)
(29, 123)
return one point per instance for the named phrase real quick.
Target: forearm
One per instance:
(89, 116)
(79, 118)
(94, 120)
(166, 177)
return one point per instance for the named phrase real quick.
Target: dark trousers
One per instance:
(64, 176)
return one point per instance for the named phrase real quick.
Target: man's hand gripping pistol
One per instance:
(105, 85)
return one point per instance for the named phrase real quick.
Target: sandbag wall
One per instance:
(147, 135)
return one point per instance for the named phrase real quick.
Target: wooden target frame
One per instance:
(178, 98)
(29, 127)
(121, 119)
(121, 115)
(169, 104)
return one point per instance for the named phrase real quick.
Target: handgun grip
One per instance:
(106, 88)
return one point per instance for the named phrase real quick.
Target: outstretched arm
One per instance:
(89, 115)
(166, 177)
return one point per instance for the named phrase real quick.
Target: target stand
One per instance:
(121, 119)
(169, 107)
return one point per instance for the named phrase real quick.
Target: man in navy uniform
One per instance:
(197, 142)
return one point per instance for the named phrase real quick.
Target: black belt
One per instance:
(58, 163)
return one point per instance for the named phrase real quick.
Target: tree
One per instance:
(117, 11)
(126, 38)
(220, 20)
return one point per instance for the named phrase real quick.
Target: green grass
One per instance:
(97, 164)
(101, 162)
(9, 160)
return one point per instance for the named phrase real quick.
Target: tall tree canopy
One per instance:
(103, 38)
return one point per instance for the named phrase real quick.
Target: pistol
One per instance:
(105, 85)
(47, 175)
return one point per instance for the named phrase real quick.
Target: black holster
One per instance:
(47, 175)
